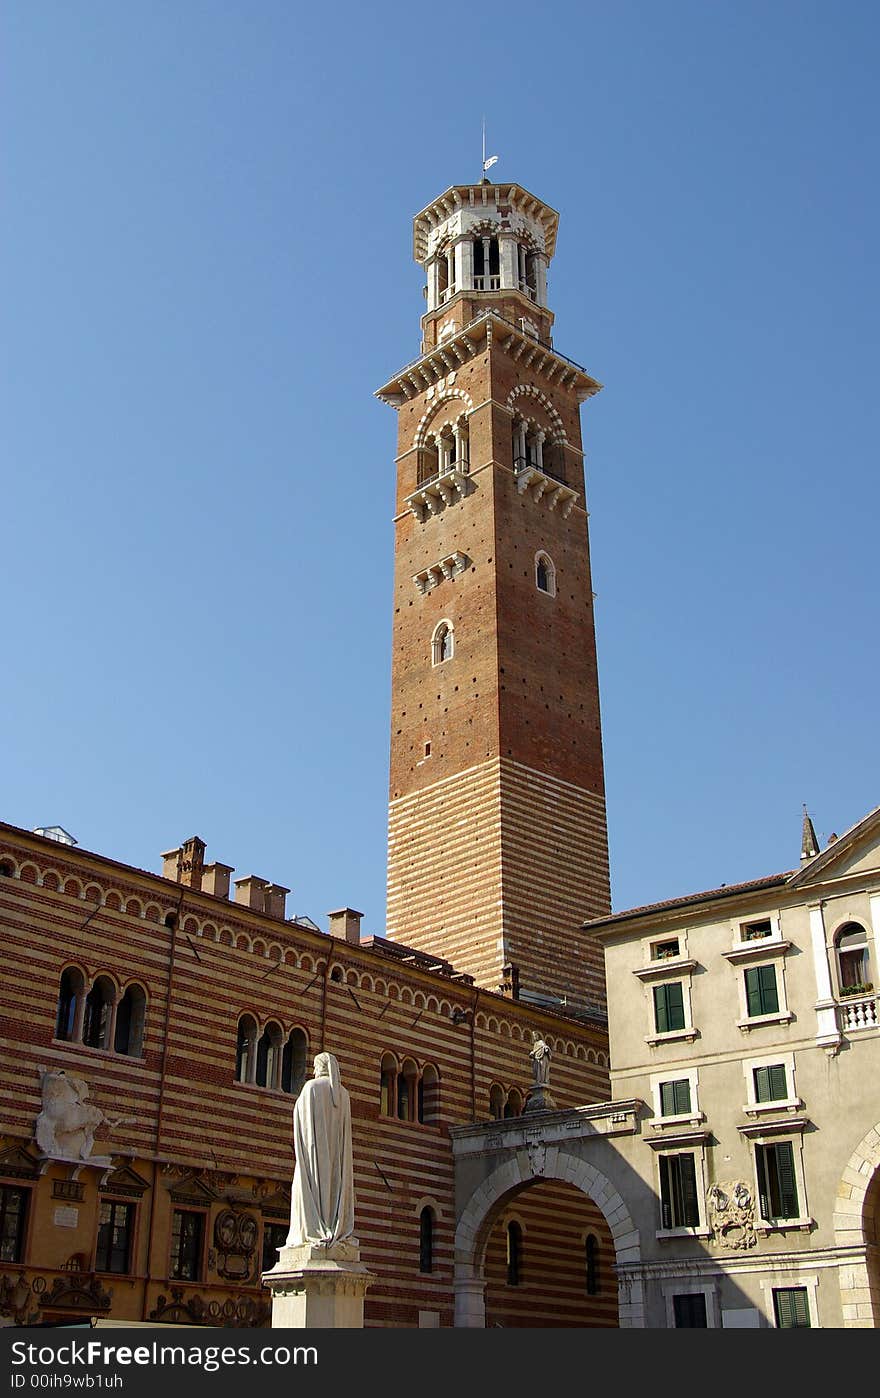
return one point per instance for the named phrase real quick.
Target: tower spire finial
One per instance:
(809, 843)
(487, 164)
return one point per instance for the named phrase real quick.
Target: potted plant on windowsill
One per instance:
(865, 989)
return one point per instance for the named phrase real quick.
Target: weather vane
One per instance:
(487, 164)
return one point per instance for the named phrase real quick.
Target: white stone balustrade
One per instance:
(858, 1012)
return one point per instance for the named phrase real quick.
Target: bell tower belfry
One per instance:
(497, 835)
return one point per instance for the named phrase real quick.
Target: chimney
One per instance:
(250, 891)
(509, 986)
(215, 879)
(345, 923)
(275, 900)
(186, 864)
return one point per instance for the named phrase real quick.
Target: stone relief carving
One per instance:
(66, 1126)
(537, 1150)
(732, 1214)
(235, 1238)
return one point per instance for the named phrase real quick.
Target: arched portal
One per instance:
(857, 1225)
(522, 1170)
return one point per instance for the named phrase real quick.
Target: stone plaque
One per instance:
(66, 1217)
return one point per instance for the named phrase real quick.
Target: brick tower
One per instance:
(497, 834)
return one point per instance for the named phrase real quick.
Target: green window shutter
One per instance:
(661, 1015)
(761, 995)
(771, 1083)
(665, 1193)
(788, 1196)
(791, 1307)
(763, 1196)
(753, 992)
(690, 1210)
(769, 993)
(668, 1007)
(675, 1097)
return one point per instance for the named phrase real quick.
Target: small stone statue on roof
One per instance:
(540, 1053)
(539, 1099)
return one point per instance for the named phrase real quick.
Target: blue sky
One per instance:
(206, 271)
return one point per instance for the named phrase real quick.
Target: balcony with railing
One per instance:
(488, 282)
(437, 486)
(545, 478)
(858, 1010)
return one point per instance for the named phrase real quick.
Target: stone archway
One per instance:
(521, 1169)
(857, 1225)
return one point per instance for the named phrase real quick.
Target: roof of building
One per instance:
(725, 890)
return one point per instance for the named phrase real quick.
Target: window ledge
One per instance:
(664, 1235)
(668, 966)
(783, 1225)
(759, 1021)
(682, 1119)
(684, 1136)
(781, 1126)
(779, 1104)
(760, 947)
(103, 1052)
(671, 1036)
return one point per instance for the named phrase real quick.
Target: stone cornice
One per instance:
(461, 346)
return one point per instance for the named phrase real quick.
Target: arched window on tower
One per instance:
(294, 1062)
(426, 1239)
(442, 643)
(545, 574)
(245, 1049)
(71, 992)
(853, 959)
(388, 1086)
(514, 1254)
(128, 1036)
(487, 264)
(98, 1013)
(591, 1249)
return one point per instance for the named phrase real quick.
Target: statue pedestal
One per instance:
(319, 1287)
(539, 1100)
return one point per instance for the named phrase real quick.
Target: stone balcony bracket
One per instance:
(446, 489)
(447, 567)
(540, 485)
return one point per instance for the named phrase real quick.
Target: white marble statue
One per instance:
(322, 1197)
(66, 1126)
(540, 1053)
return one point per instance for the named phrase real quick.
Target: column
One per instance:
(541, 278)
(507, 252)
(464, 262)
(827, 1032)
(450, 271)
(539, 450)
(470, 1302)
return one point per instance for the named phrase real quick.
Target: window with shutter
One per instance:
(690, 1312)
(675, 1097)
(762, 997)
(777, 1182)
(679, 1207)
(791, 1308)
(771, 1083)
(668, 1007)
